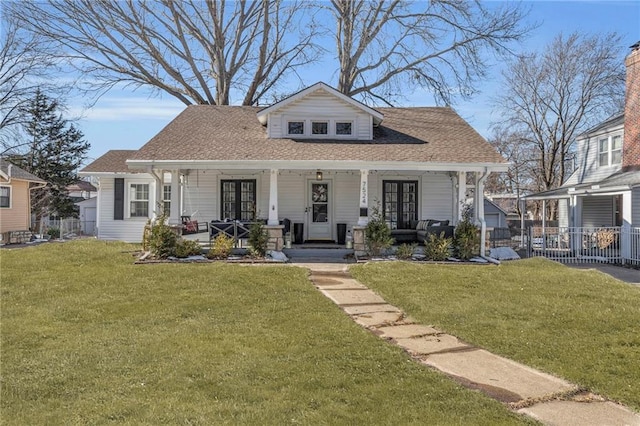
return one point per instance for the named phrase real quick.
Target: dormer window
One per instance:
(343, 128)
(296, 127)
(319, 128)
(610, 151)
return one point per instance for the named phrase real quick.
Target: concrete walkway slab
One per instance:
(353, 297)
(367, 309)
(562, 413)
(491, 371)
(334, 283)
(378, 319)
(407, 331)
(432, 344)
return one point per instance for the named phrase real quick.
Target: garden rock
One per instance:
(504, 253)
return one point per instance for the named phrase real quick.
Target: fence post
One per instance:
(625, 242)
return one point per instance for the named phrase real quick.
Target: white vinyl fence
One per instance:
(586, 245)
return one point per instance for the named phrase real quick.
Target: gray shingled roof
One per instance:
(233, 133)
(113, 161)
(17, 172)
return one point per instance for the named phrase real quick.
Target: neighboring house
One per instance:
(81, 190)
(604, 190)
(317, 158)
(494, 216)
(599, 205)
(15, 202)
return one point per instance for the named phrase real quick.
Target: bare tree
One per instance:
(388, 47)
(552, 95)
(22, 72)
(197, 51)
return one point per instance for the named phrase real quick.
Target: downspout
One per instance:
(483, 223)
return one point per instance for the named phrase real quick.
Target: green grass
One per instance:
(578, 324)
(89, 338)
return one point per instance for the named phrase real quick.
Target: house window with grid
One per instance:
(139, 200)
(166, 199)
(238, 199)
(5, 196)
(610, 151)
(400, 202)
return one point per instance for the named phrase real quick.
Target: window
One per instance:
(319, 127)
(343, 128)
(610, 151)
(295, 127)
(238, 199)
(139, 200)
(400, 201)
(166, 199)
(5, 196)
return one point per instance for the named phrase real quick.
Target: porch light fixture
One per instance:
(318, 175)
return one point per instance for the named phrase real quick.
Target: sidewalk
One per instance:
(548, 399)
(628, 275)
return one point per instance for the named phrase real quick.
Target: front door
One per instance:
(319, 210)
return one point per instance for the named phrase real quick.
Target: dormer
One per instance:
(320, 112)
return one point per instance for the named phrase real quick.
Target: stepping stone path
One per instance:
(548, 399)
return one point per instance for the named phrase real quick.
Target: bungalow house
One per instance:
(15, 202)
(604, 190)
(317, 158)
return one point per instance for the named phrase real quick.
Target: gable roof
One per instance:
(210, 133)
(616, 120)
(262, 114)
(16, 172)
(82, 185)
(114, 161)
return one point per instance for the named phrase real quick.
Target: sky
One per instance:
(127, 120)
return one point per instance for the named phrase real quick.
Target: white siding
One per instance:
(587, 168)
(635, 207)
(320, 106)
(129, 229)
(597, 211)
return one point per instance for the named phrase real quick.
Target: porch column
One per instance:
(625, 231)
(158, 177)
(175, 210)
(461, 196)
(479, 209)
(273, 198)
(363, 217)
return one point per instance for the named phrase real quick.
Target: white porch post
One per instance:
(461, 195)
(158, 177)
(176, 209)
(363, 217)
(625, 232)
(479, 209)
(273, 198)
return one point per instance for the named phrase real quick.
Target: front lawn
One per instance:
(89, 338)
(578, 324)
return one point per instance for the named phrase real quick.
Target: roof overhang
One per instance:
(263, 114)
(145, 165)
(562, 193)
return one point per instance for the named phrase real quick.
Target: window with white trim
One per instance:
(295, 127)
(343, 128)
(609, 150)
(319, 128)
(5, 197)
(166, 199)
(138, 200)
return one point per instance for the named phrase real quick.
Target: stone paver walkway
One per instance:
(549, 399)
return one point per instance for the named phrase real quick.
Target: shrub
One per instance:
(377, 234)
(221, 247)
(53, 232)
(405, 251)
(258, 240)
(466, 239)
(162, 241)
(186, 248)
(437, 247)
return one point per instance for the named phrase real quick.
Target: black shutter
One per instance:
(118, 199)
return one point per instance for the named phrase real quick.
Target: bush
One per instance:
(53, 232)
(162, 240)
(258, 240)
(186, 248)
(221, 247)
(405, 251)
(377, 234)
(437, 247)
(466, 239)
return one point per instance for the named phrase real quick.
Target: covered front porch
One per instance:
(323, 204)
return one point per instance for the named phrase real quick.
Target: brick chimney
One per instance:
(631, 144)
